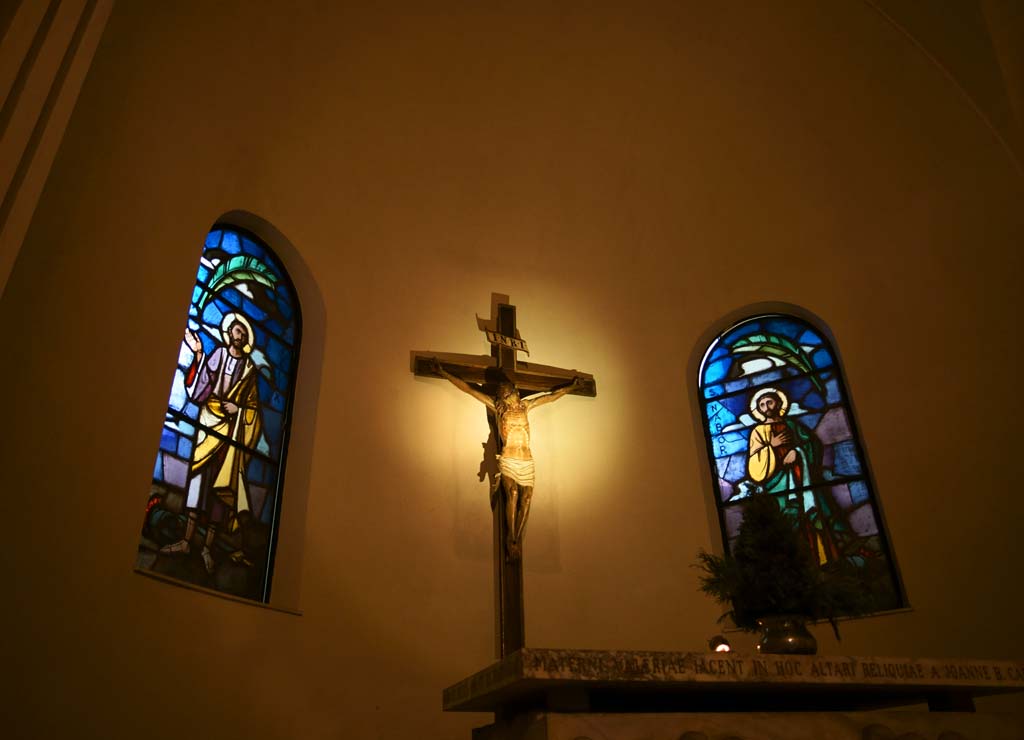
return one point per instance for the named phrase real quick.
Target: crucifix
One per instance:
(509, 389)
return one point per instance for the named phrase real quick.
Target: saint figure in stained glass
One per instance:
(778, 424)
(215, 499)
(784, 457)
(225, 387)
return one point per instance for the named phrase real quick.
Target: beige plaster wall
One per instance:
(630, 176)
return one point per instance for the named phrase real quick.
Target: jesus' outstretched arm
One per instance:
(463, 386)
(540, 399)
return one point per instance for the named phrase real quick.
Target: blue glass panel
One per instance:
(279, 356)
(785, 327)
(250, 248)
(809, 337)
(168, 440)
(752, 327)
(714, 391)
(158, 467)
(272, 428)
(253, 311)
(739, 406)
(212, 239)
(289, 334)
(729, 443)
(178, 395)
(767, 376)
(212, 315)
(268, 510)
(813, 401)
(821, 358)
(191, 410)
(230, 244)
(846, 462)
(737, 385)
(809, 420)
(715, 371)
(232, 297)
(270, 502)
(185, 448)
(720, 414)
(196, 293)
(277, 401)
(274, 327)
(202, 275)
(858, 491)
(832, 389)
(718, 352)
(257, 470)
(210, 337)
(284, 304)
(735, 467)
(797, 389)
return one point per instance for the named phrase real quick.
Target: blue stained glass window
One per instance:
(211, 514)
(777, 422)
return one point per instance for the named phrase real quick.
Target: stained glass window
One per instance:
(777, 422)
(211, 517)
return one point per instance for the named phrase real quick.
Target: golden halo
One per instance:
(783, 403)
(226, 323)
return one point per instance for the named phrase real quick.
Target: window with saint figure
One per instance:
(211, 518)
(777, 423)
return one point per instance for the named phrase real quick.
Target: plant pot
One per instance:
(785, 634)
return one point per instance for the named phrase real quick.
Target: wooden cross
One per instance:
(486, 371)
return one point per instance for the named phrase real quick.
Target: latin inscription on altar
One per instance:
(584, 665)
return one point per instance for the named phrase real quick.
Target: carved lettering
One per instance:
(760, 668)
(788, 668)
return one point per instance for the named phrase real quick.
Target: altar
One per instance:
(543, 694)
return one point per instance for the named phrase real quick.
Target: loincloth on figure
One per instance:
(521, 471)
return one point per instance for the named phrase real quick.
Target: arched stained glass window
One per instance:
(212, 513)
(777, 422)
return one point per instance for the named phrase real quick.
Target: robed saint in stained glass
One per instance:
(777, 423)
(215, 499)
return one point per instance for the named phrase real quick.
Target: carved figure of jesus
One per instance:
(515, 463)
